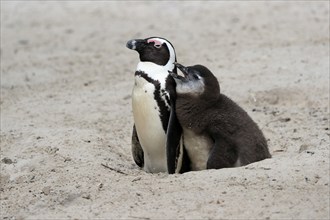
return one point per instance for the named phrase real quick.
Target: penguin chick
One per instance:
(217, 132)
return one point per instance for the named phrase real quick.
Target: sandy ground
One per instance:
(66, 81)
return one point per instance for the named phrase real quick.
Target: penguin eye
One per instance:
(157, 43)
(197, 77)
(157, 46)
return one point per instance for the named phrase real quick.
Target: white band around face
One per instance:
(169, 64)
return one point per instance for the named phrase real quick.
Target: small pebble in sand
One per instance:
(7, 160)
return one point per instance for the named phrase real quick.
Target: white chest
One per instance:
(198, 148)
(147, 120)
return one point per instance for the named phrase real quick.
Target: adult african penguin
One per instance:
(217, 132)
(153, 108)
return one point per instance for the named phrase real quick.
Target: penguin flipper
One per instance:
(222, 154)
(174, 131)
(137, 150)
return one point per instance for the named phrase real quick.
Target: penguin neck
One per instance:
(147, 66)
(155, 71)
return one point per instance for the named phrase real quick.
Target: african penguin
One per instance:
(152, 103)
(217, 132)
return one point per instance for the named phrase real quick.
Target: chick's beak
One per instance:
(182, 68)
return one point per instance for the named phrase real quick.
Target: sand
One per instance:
(66, 118)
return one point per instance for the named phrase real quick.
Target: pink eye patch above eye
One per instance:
(157, 43)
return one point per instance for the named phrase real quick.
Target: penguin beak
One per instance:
(136, 44)
(176, 76)
(183, 69)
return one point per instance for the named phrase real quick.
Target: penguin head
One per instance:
(197, 80)
(154, 49)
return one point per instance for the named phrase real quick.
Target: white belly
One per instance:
(198, 148)
(148, 126)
